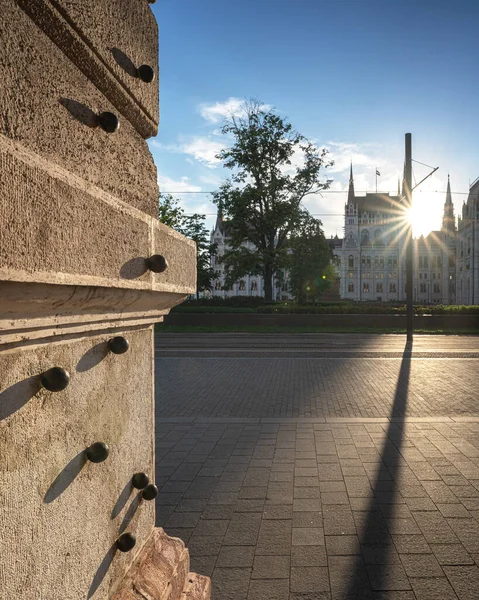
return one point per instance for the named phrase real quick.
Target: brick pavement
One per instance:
(323, 507)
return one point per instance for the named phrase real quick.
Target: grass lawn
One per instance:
(286, 330)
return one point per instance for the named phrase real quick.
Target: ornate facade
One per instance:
(249, 285)
(370, 259)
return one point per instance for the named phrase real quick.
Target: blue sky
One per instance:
(353, 75)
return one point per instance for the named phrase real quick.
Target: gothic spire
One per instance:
(448, 219)
(351, 185)
(448, 192)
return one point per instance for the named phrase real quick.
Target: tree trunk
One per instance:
(268, 284)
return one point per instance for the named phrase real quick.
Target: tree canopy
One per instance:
(310, 270)
(273, 169)
(192, 226)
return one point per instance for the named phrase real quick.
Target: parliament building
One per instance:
(370, 260)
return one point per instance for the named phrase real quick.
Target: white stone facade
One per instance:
(370, 260)
(249, 285)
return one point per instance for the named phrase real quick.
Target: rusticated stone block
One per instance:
(159, 572)
(198, 587)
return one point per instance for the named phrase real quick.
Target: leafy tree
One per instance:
(262, 199)
(311, 272)
(192, 226)
(170, 212)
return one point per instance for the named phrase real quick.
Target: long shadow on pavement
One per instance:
(375, 568)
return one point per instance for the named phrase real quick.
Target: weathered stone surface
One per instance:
(198, 587)
(107, 41)
(58, 120)
(61, 514)
(159, 571)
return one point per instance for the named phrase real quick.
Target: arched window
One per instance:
(368, 261)
(242, 286)
(350, 287)
(364, 237)
(218, 285)
(351, 261)
(377, 236)
(254, 286)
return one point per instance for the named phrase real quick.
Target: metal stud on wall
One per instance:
(118, 345)
(146, 73)
(97, 452)
(55, 379)
(108, 121)
(157, 263)
(126, 542)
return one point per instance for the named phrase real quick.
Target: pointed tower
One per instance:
(351, 186)
(219, 219)
(448, 220)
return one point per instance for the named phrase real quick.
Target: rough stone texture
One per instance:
(78, 221)
(34, 247)
(198, 587)
(124, 34)
(160, 570)
(57, 121)
(71, 508)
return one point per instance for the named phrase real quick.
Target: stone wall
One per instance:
(85, 271)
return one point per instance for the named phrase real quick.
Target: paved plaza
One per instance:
(311, 467)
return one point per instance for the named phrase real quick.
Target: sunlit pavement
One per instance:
(318, 466)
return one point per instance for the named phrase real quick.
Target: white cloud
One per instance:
(204, 150)
(219, 111)
(176, 186)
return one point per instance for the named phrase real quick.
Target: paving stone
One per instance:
(307, 519)
(389, 576)
(309, 536)
(411, 544)
(421, 565)
(277, 511)
(186, 519)
(309, 579)
(309, 556)
(306, 504)
(236, 556)
(464, 580)
(211, 527)
(243, 529)
(334, 498)
(230, 584)
(338, 520)
(349, 578)
(274, 538)
(203, 564)
(271, 567)
(273, 589)
(451, 554)
(200, 545)
(342, 545)
(433, 588)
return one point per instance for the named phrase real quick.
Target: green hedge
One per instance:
(370, 309)
(192, 308)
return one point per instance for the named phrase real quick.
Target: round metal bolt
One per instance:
(126, 542)
(109, 122)
(97, 452)
(118, 345)
(157, 263)
(146, 73)
(55, 379)
(140, 480)
(150, 492)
